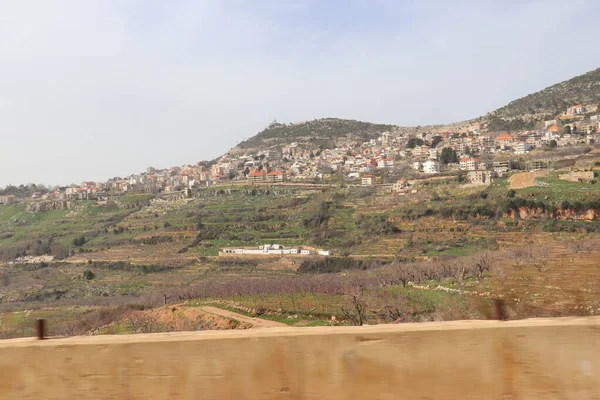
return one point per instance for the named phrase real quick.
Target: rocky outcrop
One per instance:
(45, 206)
(587, 215)
(539, 213)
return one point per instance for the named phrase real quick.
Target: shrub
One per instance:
(376, 225)
(88, 275)
(78, 242)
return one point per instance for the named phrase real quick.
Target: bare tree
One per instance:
(539, 258)
(519, 256)
(355, 311)
(483, 263)
(501, 273)
(457, 269)
(404, 273)
(139, 323)
(394, 308)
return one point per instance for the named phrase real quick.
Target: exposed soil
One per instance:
(525, 179)
(181, 317)
(282, 264)
(254, 322)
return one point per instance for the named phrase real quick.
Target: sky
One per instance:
(95, 89)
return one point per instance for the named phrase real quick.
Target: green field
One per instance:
(556, 190)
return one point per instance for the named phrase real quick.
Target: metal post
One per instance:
(500, 309)
(40, 327)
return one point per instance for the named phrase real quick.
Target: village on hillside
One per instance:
(469, 150)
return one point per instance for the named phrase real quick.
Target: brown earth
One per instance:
(161, 253)
(179, 317)
(254, 322)
(281, 264)
(525, 179)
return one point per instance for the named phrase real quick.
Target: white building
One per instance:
(368, 180)
(577, 109)
(274, 249)
(521, 148)
(431, 167)
(469, 164)
(385, 162)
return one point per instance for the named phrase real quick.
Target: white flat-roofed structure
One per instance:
(274, 249)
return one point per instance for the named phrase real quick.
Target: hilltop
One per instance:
(325, 131)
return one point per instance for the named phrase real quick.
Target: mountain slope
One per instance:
(583, 89)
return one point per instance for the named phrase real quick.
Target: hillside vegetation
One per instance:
(584, 89)
(326, 129)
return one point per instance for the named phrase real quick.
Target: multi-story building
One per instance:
(480, 177)
(577, 109)
(504, 140)
(385, 162)
(368, 180)
(399, 185)
(501, 167)
(256, 176)
(469, 164)
(521, 147)
(431, 167)
(537, 164)
(276, 176)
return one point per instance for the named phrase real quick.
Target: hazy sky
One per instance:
(94, 89)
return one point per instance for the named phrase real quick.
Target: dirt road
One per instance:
(255, 322)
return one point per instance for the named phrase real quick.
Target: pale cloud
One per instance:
(93, 89)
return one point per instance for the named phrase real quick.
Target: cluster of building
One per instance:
(357, 161)
(274, 249)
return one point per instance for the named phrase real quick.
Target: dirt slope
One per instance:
(525, 179)
(255, 322)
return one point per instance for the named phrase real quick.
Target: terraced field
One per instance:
(114, 264)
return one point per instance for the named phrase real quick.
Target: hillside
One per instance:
(584, 89)
(114, 264)
(522, 113)
(324, 131)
